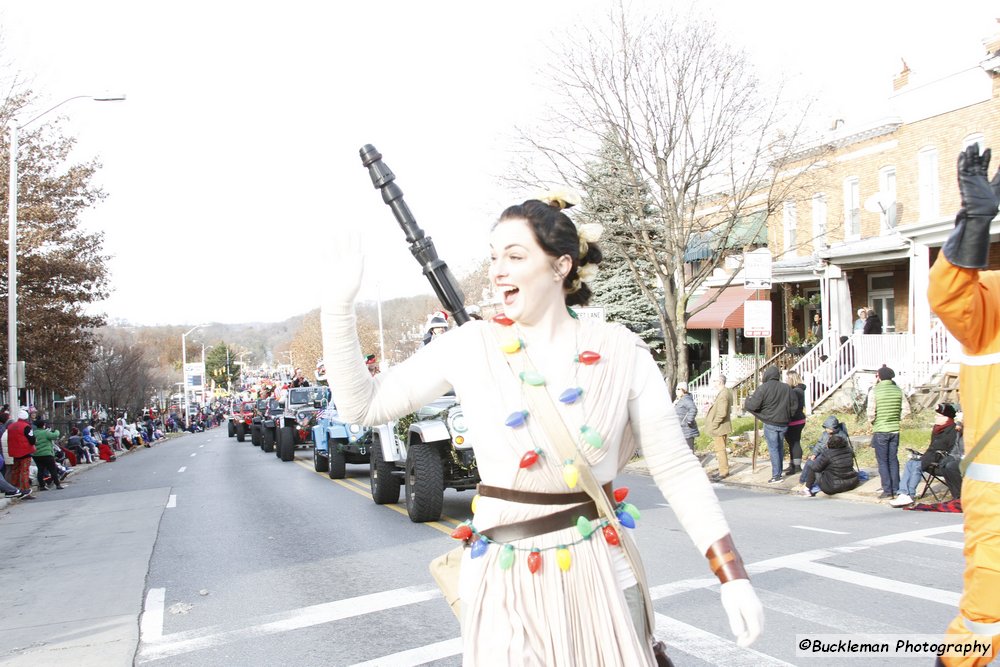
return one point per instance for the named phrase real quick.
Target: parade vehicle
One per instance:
(260, 405)
(240, 419)
(338, 443)
(294, 428)
(270, 422)
(425, 453)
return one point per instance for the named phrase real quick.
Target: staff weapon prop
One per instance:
(421, 246)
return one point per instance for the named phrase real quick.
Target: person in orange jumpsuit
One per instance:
(967, 299)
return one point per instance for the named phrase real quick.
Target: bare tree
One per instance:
(678, 146)
(121, 376)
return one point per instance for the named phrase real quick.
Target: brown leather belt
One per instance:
(537, 498)
(541, 525)
(545, 524)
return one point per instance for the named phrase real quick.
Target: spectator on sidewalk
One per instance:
(21, 444)
(831, 427)
(687, 413)
(816, 330)
(793, 436)
(833, 470)
(45, 460)
(887, 407)
(75, 444)
(943, 437)
(772, 403)
(950, 468)
(719, 424)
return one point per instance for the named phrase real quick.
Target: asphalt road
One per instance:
(259, 562)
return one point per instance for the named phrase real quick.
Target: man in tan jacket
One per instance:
(718, 424)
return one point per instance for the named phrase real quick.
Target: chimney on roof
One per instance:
(902, 78)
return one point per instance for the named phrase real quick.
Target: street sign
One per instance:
(757, 269)
(590, 312)
(757, 319)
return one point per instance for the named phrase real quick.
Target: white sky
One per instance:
(237, 148)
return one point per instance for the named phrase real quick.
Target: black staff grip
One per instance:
(421, 246)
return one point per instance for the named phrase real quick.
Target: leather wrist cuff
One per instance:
(725, 561)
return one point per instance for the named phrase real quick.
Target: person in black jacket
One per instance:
(793, 436)
(833, 469)
(942, 442)
(873, 325)
(772, 403)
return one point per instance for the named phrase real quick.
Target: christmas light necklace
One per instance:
(626, 513)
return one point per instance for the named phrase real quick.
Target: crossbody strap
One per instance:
(546, 414)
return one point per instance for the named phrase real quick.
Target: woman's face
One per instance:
(528, 280)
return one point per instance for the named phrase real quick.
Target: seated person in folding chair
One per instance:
(942, 442)
(949, 469)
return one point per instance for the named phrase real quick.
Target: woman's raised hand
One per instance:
(345, 254)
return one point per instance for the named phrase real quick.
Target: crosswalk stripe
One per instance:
(843, 621)
(954, 544)
(711, 648)
(417, 656)
(878, 583)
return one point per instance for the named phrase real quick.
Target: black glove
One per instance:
(969, 244)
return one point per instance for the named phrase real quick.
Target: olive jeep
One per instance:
(425, 453)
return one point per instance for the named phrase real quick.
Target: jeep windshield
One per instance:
(307, 395)
(248, 407)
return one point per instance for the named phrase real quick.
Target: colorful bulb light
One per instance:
(479, 547)
(632, 510)
(475, 502)
(532, 378)
(512, 346)
(463, 532)
(585, 527)
(563, 558)
(506, 557)
(529, 459)
(591, 437)
(611, 535)
(534, 561)
(570, 395)
(516, 419)
(588, 358)
(502, 320)
(621, 493)
(626, 519)
(570, 474)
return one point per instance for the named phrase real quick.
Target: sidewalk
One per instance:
(73, 574)
(742, 475)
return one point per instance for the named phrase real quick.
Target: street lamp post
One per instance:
(13, 379)
(184, 387)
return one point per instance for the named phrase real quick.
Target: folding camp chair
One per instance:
(931, 475)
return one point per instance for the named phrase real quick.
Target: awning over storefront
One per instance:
(727, 310)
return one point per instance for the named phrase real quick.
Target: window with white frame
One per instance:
(852, 208)
(976, 138)
(790, 220)
(927, 167)
(887, 199)
(819, 220)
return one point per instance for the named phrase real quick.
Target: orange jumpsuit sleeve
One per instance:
(967, 301)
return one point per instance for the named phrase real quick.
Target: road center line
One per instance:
(821, 530)
(182, 469)
(151, 624)
(172, 500)
(200, 446)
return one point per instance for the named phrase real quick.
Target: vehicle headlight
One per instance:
(456, 421)
(354, 428)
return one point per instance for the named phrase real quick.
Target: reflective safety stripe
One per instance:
(983, 472)
(987, 629)
(977, 359)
